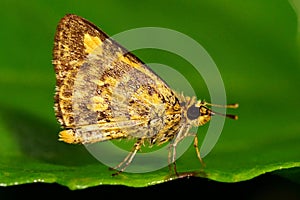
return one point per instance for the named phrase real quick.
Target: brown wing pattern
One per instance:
(99, 82)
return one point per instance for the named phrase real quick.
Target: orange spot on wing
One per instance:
(91, 43)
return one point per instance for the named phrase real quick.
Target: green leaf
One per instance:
(253, 43)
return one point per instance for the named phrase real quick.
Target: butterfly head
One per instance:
(199, 113)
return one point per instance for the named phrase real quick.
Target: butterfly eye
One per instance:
(193, 112)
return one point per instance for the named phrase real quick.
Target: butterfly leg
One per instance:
(172, 157)
(128, 159)
(183, 132)
(198, 150)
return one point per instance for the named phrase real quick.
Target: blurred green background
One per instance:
(255, 44)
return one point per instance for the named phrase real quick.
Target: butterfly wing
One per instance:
(102, 89)
(69, 53)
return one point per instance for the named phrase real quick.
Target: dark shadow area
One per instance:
(39, 140)
(264, 187)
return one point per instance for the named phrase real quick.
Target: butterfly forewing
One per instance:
(100, 83)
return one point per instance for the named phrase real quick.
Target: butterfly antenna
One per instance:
(235, 117)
